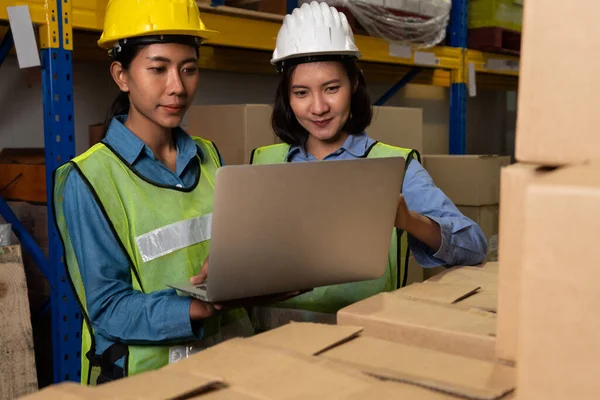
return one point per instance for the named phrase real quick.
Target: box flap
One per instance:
(271, 373)
(486, 300)
(485, 276)
(225, 393)
(461, 376)
(441, 293)
(307, 338)
(394, 309)
(157, 385)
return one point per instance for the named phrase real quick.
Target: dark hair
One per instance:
(120, 105)
(125, 54)
(287, 127)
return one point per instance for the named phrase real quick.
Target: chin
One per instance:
(325, 135)
(172, 122)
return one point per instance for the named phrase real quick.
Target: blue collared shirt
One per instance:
(463, 242)
(119, 313)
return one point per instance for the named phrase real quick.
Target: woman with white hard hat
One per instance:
(134, 210)
(321, 112)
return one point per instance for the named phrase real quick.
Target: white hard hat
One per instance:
(314, 29)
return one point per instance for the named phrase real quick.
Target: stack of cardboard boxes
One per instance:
(428, 341)
(550, 201)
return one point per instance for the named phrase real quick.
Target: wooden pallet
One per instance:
(18, 375)
(495, 40)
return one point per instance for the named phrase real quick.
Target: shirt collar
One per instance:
(130, 147)
(356, 145)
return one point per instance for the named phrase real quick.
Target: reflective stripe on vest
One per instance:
(313, 305)
(144, 216)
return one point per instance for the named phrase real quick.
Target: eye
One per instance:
(300, 93)
(157, 70)
(332, 89)
(190, 70)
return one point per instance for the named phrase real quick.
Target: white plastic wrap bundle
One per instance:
(421, 23)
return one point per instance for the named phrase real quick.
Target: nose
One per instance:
(319, 105)
(174, 83)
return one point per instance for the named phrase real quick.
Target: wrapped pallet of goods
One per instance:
(420, 23)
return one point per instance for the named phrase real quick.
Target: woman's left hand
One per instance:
(201, 277)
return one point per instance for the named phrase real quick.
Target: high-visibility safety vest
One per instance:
(321, 304)
(163, 230)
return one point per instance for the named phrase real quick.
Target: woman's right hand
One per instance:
(201, 310)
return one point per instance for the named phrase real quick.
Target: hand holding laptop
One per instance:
(259, 300)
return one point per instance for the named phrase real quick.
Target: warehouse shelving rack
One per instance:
(244, 45)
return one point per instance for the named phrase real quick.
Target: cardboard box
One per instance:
(269, 367)
(418, 316)
(395, 362)
(558, 120)
(23, 174)
(471, 180)
(514, 182)
(485, 216)
(95, 133)
(235, 129)
(398, 126)
(558, 349)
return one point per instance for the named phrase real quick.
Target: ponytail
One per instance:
(119, 106)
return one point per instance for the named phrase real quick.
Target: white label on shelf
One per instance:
(424, 58)
(472, 80)
(495, 64)
(23, 36)
(400, 51)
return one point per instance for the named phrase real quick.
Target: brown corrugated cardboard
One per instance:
(235, 129)
(454, 329)
(557, 118)
(457, 375)
(23, 174)
(416, 273)
(398, 126)
(558, 346)
(471, 180)
(514, 181)
(485, 216)
(95, 133)
(439, 292)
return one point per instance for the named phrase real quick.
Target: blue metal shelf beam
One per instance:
(457, 32)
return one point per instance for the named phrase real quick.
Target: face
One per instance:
(161, 81)
(320, 96)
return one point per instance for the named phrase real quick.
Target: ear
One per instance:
(119, 75)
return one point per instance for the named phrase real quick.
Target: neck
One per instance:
(158, 138)
(320, 149)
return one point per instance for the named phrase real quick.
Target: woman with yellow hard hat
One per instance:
(134, 211)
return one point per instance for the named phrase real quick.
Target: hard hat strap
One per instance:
(193, 41)
(312, 58)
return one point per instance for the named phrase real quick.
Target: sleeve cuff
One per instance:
(177, 322)
(425, 256)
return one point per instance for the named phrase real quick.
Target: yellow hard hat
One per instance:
(126, 19)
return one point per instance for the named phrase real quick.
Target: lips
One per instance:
(173, 108)
(322, 123)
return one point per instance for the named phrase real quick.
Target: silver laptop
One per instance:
(287, 227)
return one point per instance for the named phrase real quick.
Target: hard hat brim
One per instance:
(354, 53)
(205, 34)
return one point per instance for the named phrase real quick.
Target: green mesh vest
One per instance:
(330, 299)
(144, 216)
